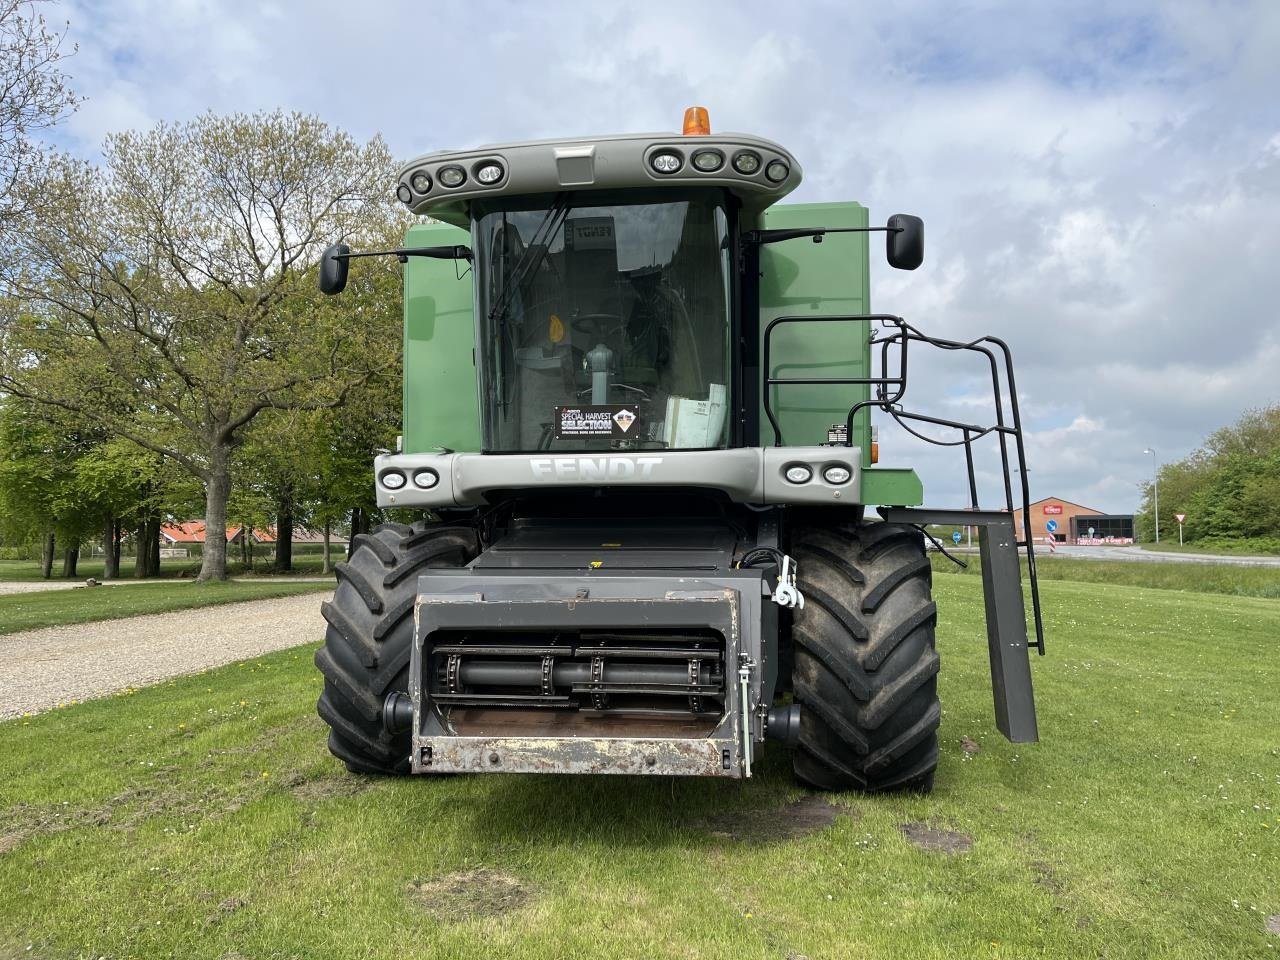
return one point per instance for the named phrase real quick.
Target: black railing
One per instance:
(889, 391)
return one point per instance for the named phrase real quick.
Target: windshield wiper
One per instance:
(538, 246)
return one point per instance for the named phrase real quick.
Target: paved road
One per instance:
(1138, 554)
(35, 586)
(42, 668)
(1135, 555)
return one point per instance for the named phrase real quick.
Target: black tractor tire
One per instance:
(865, 669)
(370, 635)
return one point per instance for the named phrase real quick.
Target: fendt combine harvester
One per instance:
(637, 407)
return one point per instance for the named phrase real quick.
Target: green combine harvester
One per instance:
(637, 409)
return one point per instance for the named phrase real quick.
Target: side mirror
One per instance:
(904, 247)
(333, 268)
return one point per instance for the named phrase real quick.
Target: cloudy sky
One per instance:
(1100, 181)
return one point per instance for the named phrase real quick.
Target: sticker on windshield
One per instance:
(614, 422)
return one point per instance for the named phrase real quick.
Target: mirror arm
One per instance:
(403, 254)
(761, 237)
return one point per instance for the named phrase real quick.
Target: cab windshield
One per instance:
(604, 325)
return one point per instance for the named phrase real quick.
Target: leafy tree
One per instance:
(1230, 487)
(171, 294)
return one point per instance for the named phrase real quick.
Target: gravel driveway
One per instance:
(41, 668)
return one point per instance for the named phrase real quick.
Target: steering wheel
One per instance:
(594, 324)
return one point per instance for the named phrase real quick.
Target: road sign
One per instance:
(955, 537)
(1051, 525)
(1180, 517)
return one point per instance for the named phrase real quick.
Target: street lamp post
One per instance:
(1155, 476)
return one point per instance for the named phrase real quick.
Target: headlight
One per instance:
(392, 479)
(746, 162)
(666, 161)
(452, 176)
(420, 182)
(489, 173)
(404, 193)
(799, 473)
(777, 171)
(708, 161)
(836, 475)
(425, 479)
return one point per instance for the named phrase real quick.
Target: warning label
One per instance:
(838, 435)
(596, 421)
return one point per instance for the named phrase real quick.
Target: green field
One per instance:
(48, 608)
(203, 818)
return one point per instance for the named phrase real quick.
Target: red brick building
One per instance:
(1071, 523)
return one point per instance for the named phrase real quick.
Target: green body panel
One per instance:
(892, 486)
(441, 408)
(800, 278)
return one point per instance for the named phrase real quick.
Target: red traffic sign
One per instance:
(1180, 517)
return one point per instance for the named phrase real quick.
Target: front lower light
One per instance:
(425, 479)
(420, 182)
(836, 475)
(746, 162)
(776, 171)
(799, 473)
(392, 479)
(404, 193)
(452, 176)
(666, 161)
(489, 173)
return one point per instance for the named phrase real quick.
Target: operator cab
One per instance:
(606, 281)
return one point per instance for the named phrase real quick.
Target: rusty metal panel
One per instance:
(681, 758)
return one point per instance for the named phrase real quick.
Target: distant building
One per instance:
(1075, 523)
(192, 532)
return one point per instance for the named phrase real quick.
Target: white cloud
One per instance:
(1101, 185)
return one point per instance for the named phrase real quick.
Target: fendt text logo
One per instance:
(593, 468)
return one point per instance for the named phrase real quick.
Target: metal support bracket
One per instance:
(1006, 615)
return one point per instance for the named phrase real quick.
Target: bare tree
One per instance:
(33, 91)
(170, 295)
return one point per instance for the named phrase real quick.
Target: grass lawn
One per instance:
(48, 608)
(1231, 579)
(203, 818)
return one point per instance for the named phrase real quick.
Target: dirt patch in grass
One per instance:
(10, 842)
(1273, 924)
(469, 894)
(1046, 877)
(328, 787)
(927, 837)
(795, 819)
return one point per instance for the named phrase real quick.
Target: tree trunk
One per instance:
(217, 487)
(140, 551)
(359, 524)
(153, 547)
(46, 558)
(70, 558)
(244, 547)
(325, 566)
(115, 543)
(284, 532)
(110, 559)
